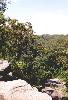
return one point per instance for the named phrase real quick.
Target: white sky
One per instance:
(46, 16)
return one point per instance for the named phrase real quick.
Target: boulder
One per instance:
(20, 90)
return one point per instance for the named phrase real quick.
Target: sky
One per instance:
(46, 16)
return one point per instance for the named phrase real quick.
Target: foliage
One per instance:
(19, 46)
(3, 4)
(33, 58)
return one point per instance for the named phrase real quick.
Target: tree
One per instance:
(20, 46)
(3, 4)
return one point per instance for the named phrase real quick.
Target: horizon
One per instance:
(46, 16)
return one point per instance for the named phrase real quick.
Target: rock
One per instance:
(48, 90)
(20, 90)
(55, 81)
(3, 64)
(1, 97)
(56, 95)
(5, 71)
(10, 74)
(34, 88)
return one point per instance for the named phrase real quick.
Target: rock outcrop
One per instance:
(20, 90)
